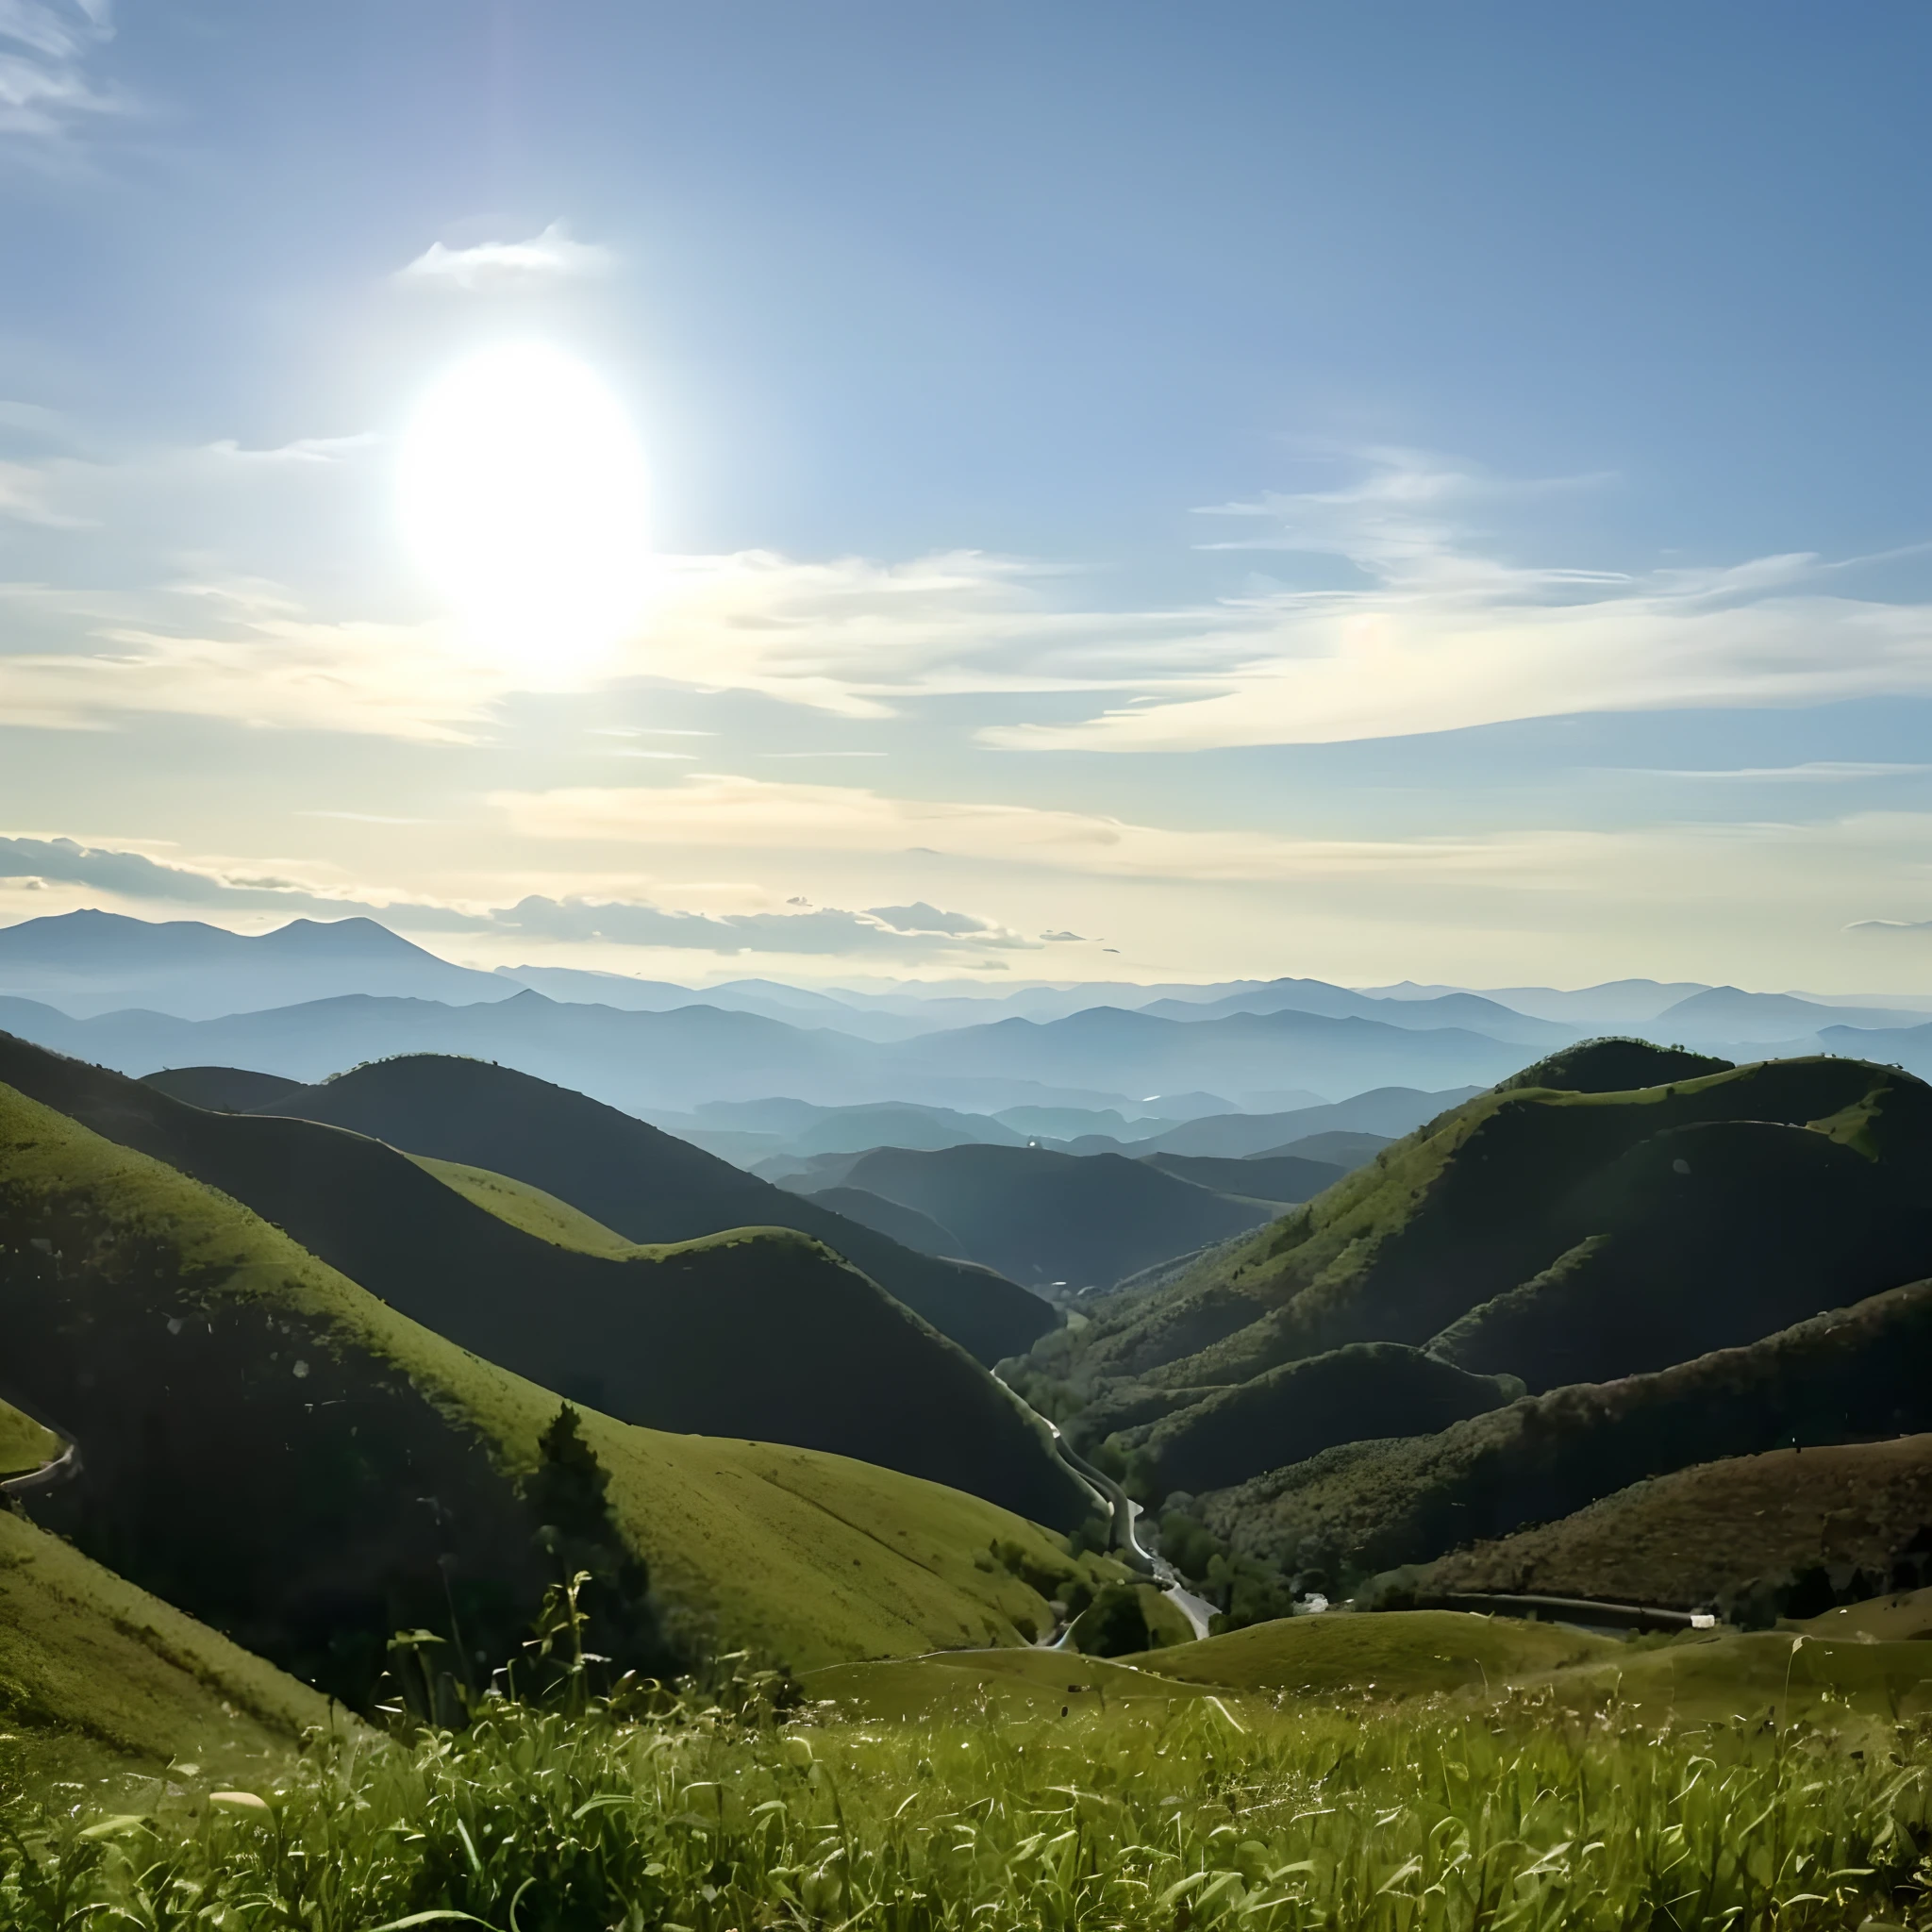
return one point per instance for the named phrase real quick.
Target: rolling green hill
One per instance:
(278, 1453)
(1369, 1389)
(1400, 1653)
(756, 1332)
(1857, 1372)
(1039, 1216)
(1560, 1234)
(646, 1185)
(1750, 1535)
(87, 1659)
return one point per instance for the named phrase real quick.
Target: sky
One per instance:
(871, 491)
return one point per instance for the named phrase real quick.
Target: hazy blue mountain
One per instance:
(1449, 1009)
(1387, 1110)
(795, 1006)
(647, 1062)
(1341, 1147)
(1234, 1054)
(1726, 1014)
(1615, 1007)
(87, 963)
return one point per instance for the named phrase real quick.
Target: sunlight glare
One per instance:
(522, 495)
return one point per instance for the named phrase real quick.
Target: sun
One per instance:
(522, 493)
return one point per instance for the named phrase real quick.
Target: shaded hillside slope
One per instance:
(1851, 1374)
(275, 1451)
(904, 1224)
(1372, 1388)
(222, 1090)
(758, 1332)
(1045, 1217)
(1557, 1234)
(645, 1184)
(1751, 1537)
(85, 1655)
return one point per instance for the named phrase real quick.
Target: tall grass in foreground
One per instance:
(538, 1822)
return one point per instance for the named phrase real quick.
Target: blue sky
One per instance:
(1379, 491)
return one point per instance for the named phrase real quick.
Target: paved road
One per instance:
(1122, 1514)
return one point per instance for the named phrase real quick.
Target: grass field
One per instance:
(1190, 1811)
(262, 1438)
(1405, 1655)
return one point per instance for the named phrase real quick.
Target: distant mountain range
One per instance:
(649, 1062)
(88, 963)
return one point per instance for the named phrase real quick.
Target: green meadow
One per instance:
(1195, 1812)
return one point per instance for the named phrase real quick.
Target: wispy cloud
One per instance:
(725, 813)
(44, 50)
(499, 267)
(1817, 771)
(260, 667)
(1438, 634)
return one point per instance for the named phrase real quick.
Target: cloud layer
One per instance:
(497, 267)
(1432, 634)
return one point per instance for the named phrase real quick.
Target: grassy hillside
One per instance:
(87, 1657)
(1568, 1235)
(530, 1208)
(276, 1452)
(646, 1185)
(1750, 1535)
(1045, 1217)
(1857, 1372)
(1367, 1389)
(758, 1332)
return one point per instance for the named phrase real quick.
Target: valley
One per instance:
(325, 1386)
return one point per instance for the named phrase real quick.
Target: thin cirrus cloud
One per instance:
(502, 267)
(44, 50)
(1434, 633)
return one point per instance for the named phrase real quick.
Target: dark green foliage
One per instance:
(1114, 1623)
(1244, 1589)
(647, 1185)
(568, 1494)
